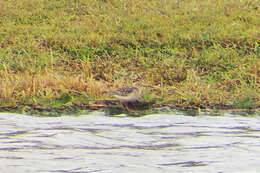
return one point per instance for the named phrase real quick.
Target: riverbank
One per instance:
(194, 54)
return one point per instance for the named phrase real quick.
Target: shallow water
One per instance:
(154, 143)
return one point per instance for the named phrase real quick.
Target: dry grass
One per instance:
(200, 53)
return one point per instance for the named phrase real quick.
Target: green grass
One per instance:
(198, 53)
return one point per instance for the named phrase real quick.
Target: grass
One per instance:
(198, 53)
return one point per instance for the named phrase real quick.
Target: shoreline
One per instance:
(112, 107)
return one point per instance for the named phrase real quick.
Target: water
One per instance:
(154, 143)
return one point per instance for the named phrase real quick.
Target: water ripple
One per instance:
(154, 143)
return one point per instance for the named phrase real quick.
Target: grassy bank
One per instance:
(198, 53)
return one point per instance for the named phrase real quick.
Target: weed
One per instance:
(187, 52)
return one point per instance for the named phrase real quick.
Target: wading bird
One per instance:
(127, 95)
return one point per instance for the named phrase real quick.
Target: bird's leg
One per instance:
(125, 106)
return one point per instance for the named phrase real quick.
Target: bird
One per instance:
(127, 95)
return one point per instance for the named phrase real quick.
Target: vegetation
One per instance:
(196, 53)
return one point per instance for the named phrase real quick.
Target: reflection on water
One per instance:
(154, 143)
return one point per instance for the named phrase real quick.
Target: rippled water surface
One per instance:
(154, 143)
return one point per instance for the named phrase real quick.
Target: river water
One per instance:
(153, 143)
